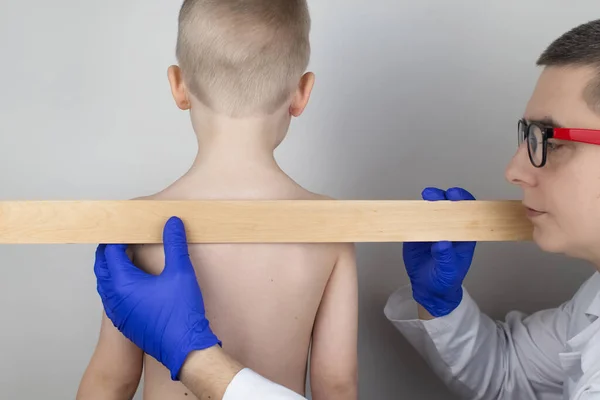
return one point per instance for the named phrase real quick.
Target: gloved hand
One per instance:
(163, 315)
(437, 270)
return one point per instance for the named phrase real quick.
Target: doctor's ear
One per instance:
(178, 88)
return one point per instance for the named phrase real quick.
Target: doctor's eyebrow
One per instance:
(547, 121)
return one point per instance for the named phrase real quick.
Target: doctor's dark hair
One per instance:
(579, 47)
(243, 57)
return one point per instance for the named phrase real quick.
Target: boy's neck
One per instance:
(228, 145)
(233, 151)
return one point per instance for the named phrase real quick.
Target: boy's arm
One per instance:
(115, 369)
(334, 365)
(116, 366)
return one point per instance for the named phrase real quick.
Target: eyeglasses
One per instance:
(537, 136)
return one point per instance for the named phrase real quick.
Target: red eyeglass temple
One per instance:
(591, 136)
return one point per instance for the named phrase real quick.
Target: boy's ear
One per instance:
(178, 88)
(302, 95)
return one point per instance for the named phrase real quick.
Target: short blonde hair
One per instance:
(243, 57)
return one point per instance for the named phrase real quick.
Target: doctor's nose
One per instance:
(520, 171)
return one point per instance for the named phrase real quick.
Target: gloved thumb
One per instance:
(175, 245)
(443, 254)
(447, 273)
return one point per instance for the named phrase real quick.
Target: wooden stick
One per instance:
(318, 221)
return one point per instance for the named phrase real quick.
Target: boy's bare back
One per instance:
(262, 301)
(242, 78)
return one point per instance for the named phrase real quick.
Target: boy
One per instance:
(241, 75)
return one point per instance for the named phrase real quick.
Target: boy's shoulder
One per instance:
(341, 248)
(317, 196)
(344, 250)
(308, 195)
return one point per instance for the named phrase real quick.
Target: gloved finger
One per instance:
(175, 245)
(103, 296)
(456, 194)
(464, 249)
(419, 249)
(415, 250)
(104, 299)
(117, 260)
(110, 314)
(433, 194)
(459, 194)
(447, 264)
(443, 253)
(100, 291)
(100, 268)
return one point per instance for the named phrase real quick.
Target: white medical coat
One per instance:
(248, 385)
(549, 355)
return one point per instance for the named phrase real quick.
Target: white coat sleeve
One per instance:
(482, 359)
(248, 385)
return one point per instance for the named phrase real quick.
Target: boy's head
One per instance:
(242, 58)
(565, 191)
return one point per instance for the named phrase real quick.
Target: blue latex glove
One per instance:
(163, 315)
(437, 270)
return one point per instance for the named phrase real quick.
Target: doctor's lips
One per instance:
(532, 212)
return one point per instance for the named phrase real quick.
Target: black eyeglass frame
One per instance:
(524, 130)
(589, 136)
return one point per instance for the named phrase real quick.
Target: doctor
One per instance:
(552, 354)
(164, 316)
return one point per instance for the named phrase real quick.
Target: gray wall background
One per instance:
(409, 94)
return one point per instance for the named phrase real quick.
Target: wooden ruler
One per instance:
(316, 221)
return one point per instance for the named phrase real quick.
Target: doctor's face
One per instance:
(563, 196)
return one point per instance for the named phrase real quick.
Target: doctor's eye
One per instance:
(553, 146)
